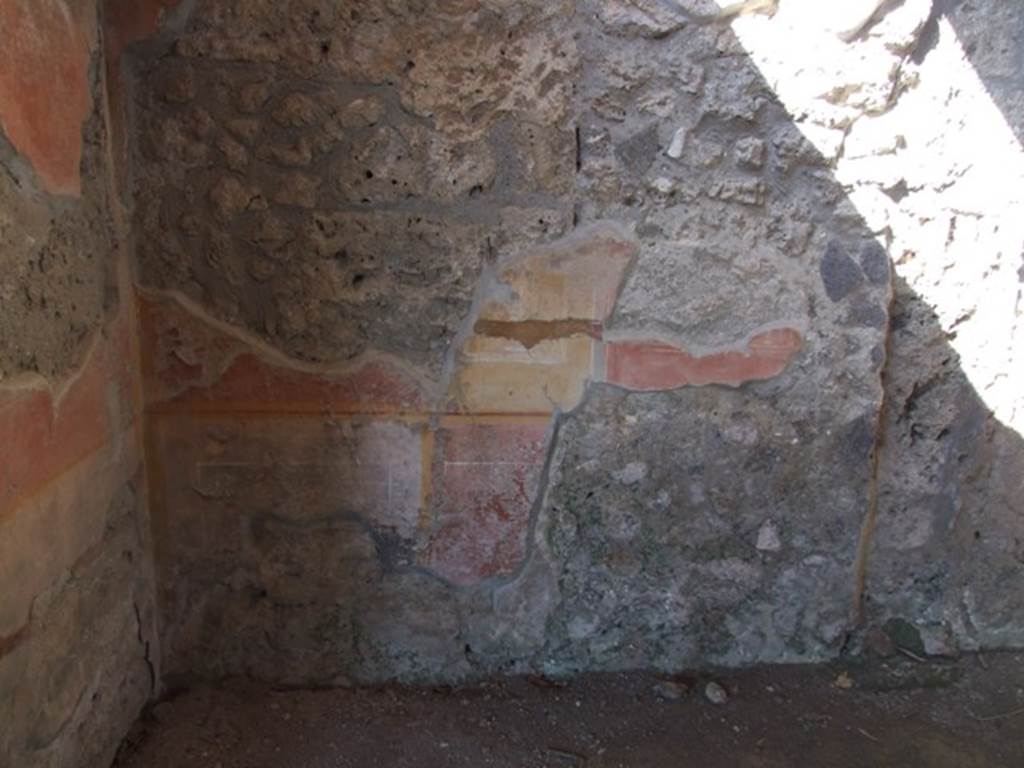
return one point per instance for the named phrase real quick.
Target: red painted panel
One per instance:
(651, 366)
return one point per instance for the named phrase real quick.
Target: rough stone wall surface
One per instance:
(484, 336)
(948, 554)
(335, 178)
(78, 650)
(54, 229)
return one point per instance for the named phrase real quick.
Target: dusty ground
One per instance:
(899, 712)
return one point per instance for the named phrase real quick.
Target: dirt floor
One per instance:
(897, 712)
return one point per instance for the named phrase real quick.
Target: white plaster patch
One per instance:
(768, 539)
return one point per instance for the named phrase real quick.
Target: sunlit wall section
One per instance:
(918, 109)
(927, 158)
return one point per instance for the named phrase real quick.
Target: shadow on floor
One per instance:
(895, 712)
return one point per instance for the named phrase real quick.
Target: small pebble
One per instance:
(669, 690)
(879, 643)
(716, 694)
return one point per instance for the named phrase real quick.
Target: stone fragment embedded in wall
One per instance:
(739, 92)
(746, 191)
(749, 153)
(546, 158)
(840, 274)
(534, 340)
(648, 18)
(230, 196)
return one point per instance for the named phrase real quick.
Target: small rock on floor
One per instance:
(716, 693)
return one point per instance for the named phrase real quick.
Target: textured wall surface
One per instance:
(485, 336)
(488, 336)
(54, 277)
(948, 552)
(78, 650)
(481, 336)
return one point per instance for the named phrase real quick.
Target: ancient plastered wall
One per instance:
(484, 336)
(78, 650)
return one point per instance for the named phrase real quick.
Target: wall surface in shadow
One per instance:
(78, 649)
(947, 560)
(992, 35)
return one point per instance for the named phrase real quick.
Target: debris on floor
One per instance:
(944, 713)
